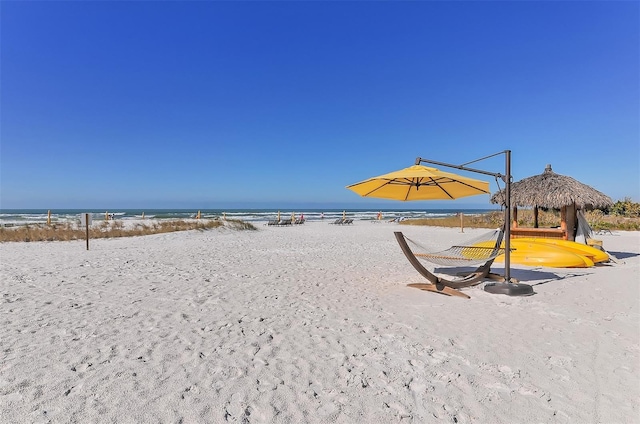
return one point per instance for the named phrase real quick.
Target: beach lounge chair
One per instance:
(481, 250)
(338, 221)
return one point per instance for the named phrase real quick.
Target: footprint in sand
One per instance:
(560, 361)
(82, 367)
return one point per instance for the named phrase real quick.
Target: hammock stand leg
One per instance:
(439, 288)
(438, 284)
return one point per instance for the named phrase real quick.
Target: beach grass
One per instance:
(487, 220)
(546, 219)
(111, 229)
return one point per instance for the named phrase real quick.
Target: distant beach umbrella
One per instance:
(420, 182)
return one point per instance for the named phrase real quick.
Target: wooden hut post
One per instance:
(563, 221)
(571, 222)
(535, 217)
(515, 217)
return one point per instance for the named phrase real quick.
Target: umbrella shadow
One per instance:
(623, 255)
(458, 271)
(543, 277)
(521, 275)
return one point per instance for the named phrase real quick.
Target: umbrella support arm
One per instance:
(506, 177)
(503, 177)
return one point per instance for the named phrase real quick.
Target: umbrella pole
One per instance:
(507, 221)
(509, 287)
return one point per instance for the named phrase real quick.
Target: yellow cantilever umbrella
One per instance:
(420, 182)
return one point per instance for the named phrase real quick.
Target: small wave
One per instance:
(25, 217)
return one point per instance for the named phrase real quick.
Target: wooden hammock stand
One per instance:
(443, 285)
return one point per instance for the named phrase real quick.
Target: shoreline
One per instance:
(17, 216)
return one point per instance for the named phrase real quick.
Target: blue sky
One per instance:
(278, 104)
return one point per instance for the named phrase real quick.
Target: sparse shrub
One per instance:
(626, 208)
(110, 229)
(240, 225)
(597, 219)
(492, 219)
(546, 218)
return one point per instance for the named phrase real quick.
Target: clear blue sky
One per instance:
(277, 104)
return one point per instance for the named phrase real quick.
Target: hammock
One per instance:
(482, 249)
(476, 251)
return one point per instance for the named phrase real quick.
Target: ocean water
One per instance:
(12, 217)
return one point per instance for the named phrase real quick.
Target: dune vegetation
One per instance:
(624, 215)
(111, 229)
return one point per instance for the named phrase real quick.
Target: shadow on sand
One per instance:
(533, 277)
(538, 278)
(622, 255)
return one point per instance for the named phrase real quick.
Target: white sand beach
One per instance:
(308, 324)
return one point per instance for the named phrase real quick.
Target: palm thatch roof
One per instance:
(551, 190)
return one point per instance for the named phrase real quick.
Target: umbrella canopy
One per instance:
(419, 182)
(551, 190)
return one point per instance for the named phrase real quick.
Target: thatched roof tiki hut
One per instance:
(553, 191)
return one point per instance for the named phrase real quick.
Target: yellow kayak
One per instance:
(596, 255)
(539, 254)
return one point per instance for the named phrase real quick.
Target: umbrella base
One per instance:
(510, 289)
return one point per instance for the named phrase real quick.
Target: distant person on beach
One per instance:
(321, 215)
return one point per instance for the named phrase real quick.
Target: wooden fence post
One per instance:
(86, 224)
